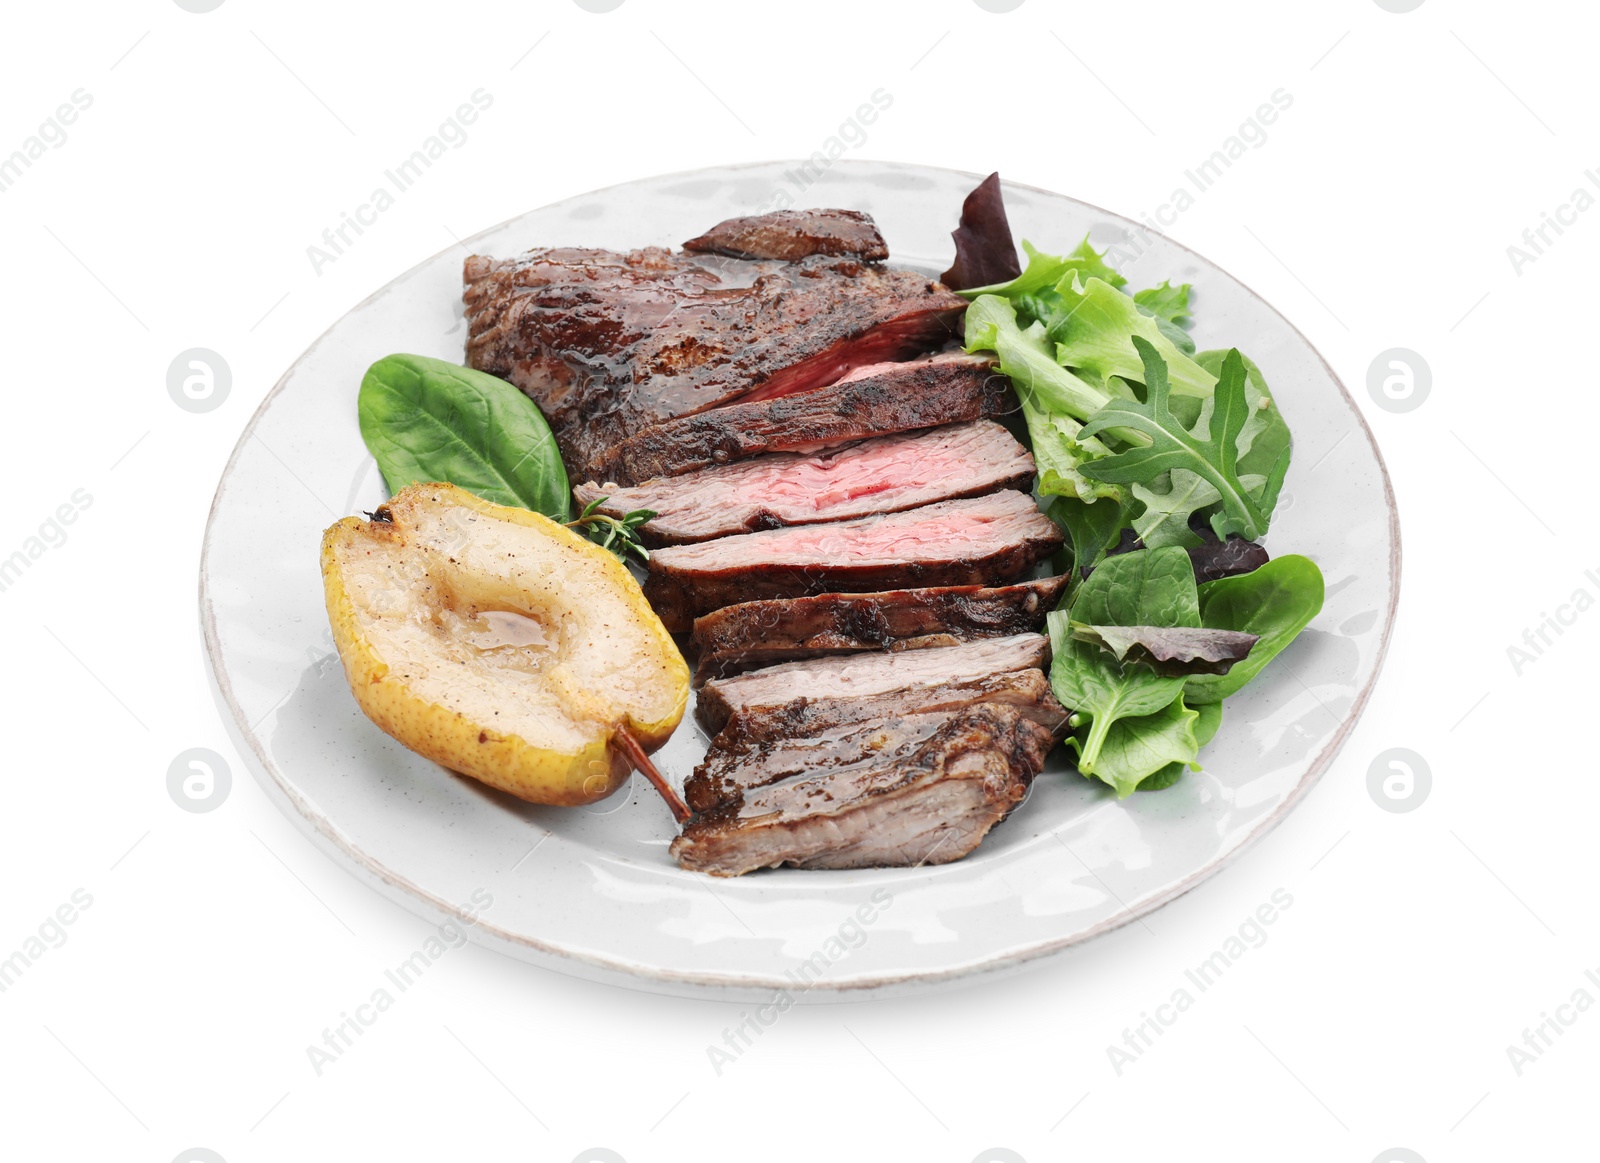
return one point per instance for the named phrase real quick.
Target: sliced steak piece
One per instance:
(795, 234)
(977, 541)
(862, 675)
(909, 797)
(608, 343)
(761, 745)
(737, 638)
(883, 475)
(896, 397)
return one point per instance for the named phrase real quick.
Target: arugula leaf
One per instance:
(1170, 650)
(428, 420)
(1165, 520)
(1205, 729)
(1099, 334)
(1265, 436)
(1137, 750)
(1213, 457)
(1274, 603)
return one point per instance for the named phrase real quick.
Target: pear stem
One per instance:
(641, 762)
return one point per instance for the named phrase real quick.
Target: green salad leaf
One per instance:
(1274, 603)
(1265, 436)
(1028, 358)
(1092, 528)
(1150, 587)
(1165, 302)
(1137, 750)
(1165, 519)
(1213, 455)
(1169, 307)
(428, 420)
(1099, 333)
(1205, 730)
(1044, 271)
(1143, 588)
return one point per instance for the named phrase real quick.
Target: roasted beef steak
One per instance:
(978, 541)
(790, 235)
(737, 638)
(762, 744)
(608, 343)
(897, 397)
(883, 475)
(864, 675)
(921, 789)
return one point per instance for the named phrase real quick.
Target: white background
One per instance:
(1377, 214)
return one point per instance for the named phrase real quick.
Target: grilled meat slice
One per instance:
(763, 744)
(900, 796)
(790, 235)
(751, 634)
(977, 541)
(949, 388)
(863, 675)
(881, 475)
(608, 343)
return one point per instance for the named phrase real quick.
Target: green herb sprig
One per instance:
(618, 534)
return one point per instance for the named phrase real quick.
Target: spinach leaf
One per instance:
(1091, 529)
(1170, 649)
(1213, 456)
(1274, 603)
(1137, 750)
(1146, 587)
(428, 420)
(1205, 729)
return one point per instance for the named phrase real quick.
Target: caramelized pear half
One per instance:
(499, 643)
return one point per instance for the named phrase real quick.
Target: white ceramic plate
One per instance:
(593, 892)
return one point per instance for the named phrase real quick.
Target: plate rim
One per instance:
(399, 889)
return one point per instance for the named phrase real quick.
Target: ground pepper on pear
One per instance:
(501, 644)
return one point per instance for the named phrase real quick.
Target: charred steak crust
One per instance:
(977, 541)
(795, 234)
(908, 675)
(609, 343)
(736, 638)
(922, 394)
(907, 804)
(884, 474)
(755, 744)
